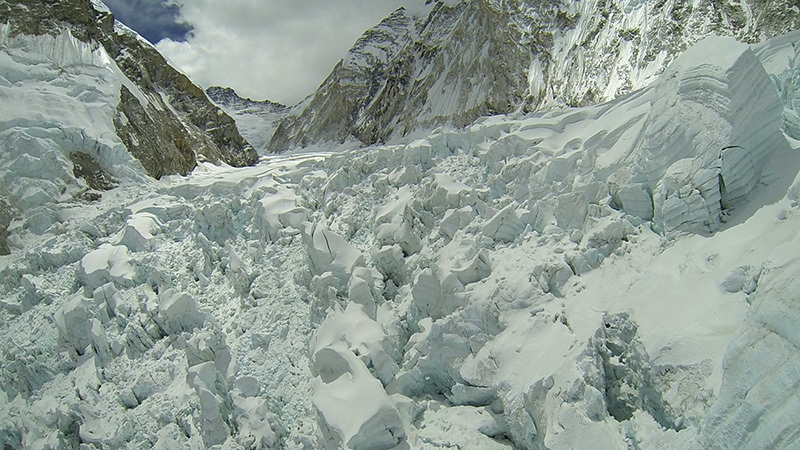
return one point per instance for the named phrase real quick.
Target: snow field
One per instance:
(608, 276)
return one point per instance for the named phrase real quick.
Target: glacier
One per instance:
(620, 275)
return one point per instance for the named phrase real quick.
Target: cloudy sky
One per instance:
(279, 50)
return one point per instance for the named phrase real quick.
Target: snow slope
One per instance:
(60, 97)
(165, 121)
(614, 276)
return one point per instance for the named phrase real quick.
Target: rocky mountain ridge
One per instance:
(228, 97)
(463, 60)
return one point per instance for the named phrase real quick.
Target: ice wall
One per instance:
(714, 121)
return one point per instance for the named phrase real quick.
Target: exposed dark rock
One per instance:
(225, 96)
(209, 133)
(87, 168)
(134, 124)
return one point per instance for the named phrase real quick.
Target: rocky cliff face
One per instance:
(168, 124)
(460, 60)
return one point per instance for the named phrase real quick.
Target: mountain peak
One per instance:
(256, 120)
(462, 60)
(225, 96)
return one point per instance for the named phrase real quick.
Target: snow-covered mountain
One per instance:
(454, 61)
(256, 120)
(617, 275)
(87, 103)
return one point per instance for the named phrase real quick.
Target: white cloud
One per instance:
(279, 50)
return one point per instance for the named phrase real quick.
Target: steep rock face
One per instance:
(256, 120)
(178, 109)
(174, 124)
(332, 112)
(227, 97)
(411, 71)
(463, 60)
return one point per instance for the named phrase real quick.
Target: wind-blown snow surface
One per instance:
(616, 276)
